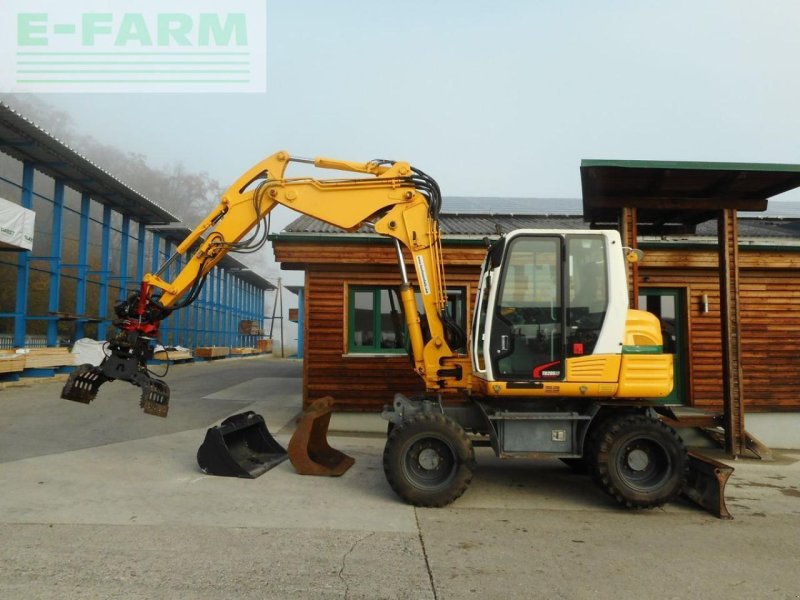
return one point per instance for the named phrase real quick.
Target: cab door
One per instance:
(526, 317)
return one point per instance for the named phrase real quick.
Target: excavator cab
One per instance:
(553, 315)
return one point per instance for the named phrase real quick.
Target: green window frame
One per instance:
(368, 324)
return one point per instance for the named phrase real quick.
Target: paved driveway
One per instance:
(106, 502)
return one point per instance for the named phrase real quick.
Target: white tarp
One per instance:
(16, 226)
(87, 350)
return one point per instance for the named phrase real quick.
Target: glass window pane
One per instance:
(363, 323)
(588, 293)
(529, 311)
(391, 320)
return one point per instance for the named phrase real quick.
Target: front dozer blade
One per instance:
(240, 446)
(309, 450)
(83, 383)
(706, 484)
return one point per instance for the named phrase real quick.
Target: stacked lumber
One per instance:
(48, 358)
(243, 351)
(173, 355)
(212, 351)
(10, 362)
(249, 327)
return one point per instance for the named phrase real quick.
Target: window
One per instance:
(588, 295)
(526, 331)
(376, 322)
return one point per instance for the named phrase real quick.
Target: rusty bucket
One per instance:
(309, 451)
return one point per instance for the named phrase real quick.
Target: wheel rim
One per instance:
(644, 465)
(430, 463)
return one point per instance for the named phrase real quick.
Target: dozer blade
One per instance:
(706, 484)
(309, 451)
(83, 383)
(240, 446)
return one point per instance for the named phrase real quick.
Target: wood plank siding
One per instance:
(770, 319)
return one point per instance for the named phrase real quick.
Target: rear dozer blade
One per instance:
(83, 383)
(706, 484)
(240, 446)
(309, 450)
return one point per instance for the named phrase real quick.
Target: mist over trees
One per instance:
(185, 193)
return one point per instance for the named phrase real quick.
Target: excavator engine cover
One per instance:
(240, 446)
(309, 451)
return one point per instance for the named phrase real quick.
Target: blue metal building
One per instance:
(94, 240)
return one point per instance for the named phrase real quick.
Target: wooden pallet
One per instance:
(48, 358)
(212, 351)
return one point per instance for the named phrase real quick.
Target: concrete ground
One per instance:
(102, 501)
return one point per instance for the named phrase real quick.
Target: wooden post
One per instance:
(733, 394)
(629, 236)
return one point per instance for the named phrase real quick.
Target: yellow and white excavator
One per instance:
(557, 364)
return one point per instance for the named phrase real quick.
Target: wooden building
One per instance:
(353, 353)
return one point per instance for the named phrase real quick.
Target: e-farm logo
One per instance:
(145, 46)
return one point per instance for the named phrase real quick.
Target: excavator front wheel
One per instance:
(428, 460)
(640, 461)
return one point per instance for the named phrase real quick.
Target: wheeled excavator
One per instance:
(556, 363)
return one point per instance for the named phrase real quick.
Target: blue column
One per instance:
(23, 263)
(226, 307)
(155, 261)
(140, 254)
(166, 325)
(105, 260)
(123, 258)
(83, 267)
(56, 243)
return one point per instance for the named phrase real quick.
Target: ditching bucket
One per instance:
(240, 446)
(309, 451)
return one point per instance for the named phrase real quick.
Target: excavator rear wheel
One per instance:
(640, 461)
(428, 460)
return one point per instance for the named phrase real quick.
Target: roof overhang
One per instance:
(25, 141)
(673, 197)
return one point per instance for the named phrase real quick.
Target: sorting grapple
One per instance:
(127, 361)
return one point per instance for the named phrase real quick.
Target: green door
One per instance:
(669, 305)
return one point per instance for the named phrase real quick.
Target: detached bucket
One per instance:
(309, 450)
(240, 446)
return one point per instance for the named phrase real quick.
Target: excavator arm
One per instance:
(398, 200)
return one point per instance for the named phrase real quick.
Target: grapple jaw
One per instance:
(127, 361)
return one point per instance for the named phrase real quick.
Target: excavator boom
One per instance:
(398, 200)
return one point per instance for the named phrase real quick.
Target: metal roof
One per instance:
(178, 233)
(476, 205)
(480, 226)
(676, 196)
(25, 141)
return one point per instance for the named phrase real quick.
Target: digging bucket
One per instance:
(240, 446)
(309, 451)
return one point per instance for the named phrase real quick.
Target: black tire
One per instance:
(428, 460)
(639, 461)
